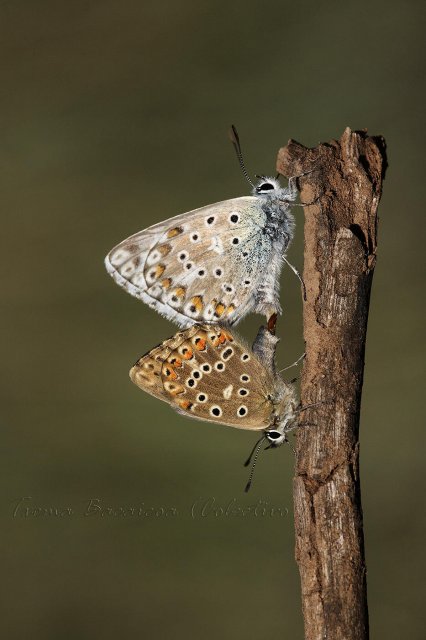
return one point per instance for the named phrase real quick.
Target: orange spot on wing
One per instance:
(164, 249)
(230, 309)
(180, 292)
(220, 308)
(172, 233)
(187, 353)
(178, 389)
(200, 344)
(220, 339)
(176, 362)
(197, 301)
(185, 404)
(159, 270)
(170, 373)
(166, 283)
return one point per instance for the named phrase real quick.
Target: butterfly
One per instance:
(213, 264)
(208, 373)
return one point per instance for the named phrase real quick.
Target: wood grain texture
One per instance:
(345, 184)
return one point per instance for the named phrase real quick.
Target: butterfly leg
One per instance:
(295, 271)
(294, 363)
(292, 183)
(292, 187)
(305, 204)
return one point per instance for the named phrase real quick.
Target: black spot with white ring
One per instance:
(228, 288)
(228, 353)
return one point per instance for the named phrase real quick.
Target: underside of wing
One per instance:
(147, 371)
(209, 375)
(203, 265)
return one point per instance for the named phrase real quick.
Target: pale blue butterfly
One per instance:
(216, 263)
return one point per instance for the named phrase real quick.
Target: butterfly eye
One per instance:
(273, 435)
(265, 186)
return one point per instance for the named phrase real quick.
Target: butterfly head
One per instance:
(276, 438)
(285, 417)
(266, 187)
(278, 435)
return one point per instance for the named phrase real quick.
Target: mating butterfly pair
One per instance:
(205, 270)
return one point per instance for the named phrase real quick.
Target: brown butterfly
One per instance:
(207, 372)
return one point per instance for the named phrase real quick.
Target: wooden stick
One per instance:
(344, 185)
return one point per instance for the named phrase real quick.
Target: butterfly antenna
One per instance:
(233, 135)
(256, 451)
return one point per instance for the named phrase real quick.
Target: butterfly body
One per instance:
(213, 264)
(208, 373)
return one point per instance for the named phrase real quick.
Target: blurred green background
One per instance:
(114, 116)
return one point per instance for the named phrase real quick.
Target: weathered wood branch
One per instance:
(345, 186)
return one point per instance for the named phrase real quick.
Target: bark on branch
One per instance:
(345, 185)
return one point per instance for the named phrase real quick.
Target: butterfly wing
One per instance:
(205, 265)
(207, 373)
(147, 371)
